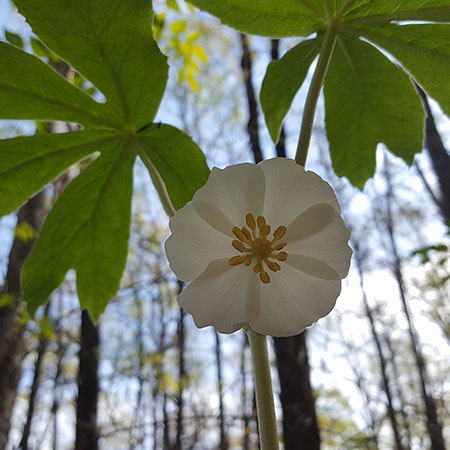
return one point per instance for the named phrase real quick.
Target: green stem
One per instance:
(157, 180)
(268, 430)
(314, 90)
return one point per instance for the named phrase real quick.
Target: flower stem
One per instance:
(268, 430)
(314, 90)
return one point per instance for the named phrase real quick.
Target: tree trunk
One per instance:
(11, 327)
(223, 437)
(433, 427)
(41, 349)
(300, 428)
(252, 125)
(88, 388)
(438, 154)
(181, 377)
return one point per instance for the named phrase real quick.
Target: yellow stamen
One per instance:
(246, 233)
(257, 247)
(238, 245)
(279, 233)
(257, 268)
(235, 260)
(282, 256)
(250, 220)
(261, 222)
(273, 266)
(264, 277)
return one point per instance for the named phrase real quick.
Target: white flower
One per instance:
(263, 245)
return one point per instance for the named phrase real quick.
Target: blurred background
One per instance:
(373, 375)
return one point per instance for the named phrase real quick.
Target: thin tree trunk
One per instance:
(300, 428)
(245, 416)
(252, 125)
(438, 154)
(41, 349)
(181, 378)
(399, 391)
(13, 350)
(223, 437)
(88, 387)
(60, 353)
(380, 352)
(433, 426)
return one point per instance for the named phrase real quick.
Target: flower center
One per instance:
(256, 247)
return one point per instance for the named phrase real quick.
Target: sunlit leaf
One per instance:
(368, 101)
(87, 230)
(282, 81)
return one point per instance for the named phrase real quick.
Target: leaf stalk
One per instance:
(314, 90)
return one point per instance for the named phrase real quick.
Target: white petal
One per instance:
(229, 195)
(194, 244)
(290, 190)
(224, 296)
(293, 301)
(312, 266)
(320, 233)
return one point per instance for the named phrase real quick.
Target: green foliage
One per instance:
(171, 151)
(14, 39)
(282, 81)
(268, 18)
(110, 43)
(369, 100)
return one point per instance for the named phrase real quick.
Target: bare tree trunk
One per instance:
(244, 394)
(252, 125)
(181, 378)
(11, 327)
(438, 154)
(380, 352)
(223, 437)
(300, 428)
(41, 349)
(433, 426)
(399, 391)
(88, 388)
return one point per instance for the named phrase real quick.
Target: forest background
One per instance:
(145, 377)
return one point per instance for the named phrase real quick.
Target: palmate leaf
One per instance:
(282, 81)
(367, 101)
(421, 50)
(111, 44)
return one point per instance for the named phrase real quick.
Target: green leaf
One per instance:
(282, 81)
(29, 89)
(14, 39)
(379, 11)
(87, 230)
(111, 44)
(368, 100)
(40, 159)
(178, 159)
(424, 50)
(268, 17)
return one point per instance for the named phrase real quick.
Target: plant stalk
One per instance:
(314, 90)
(268, 430)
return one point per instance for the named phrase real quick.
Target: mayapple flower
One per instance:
(261, 245)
